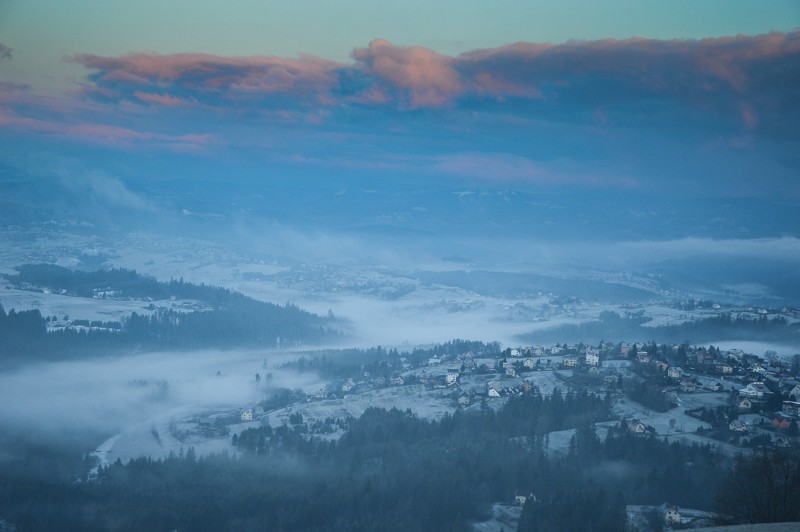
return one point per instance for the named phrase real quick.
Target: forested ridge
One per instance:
(726, 325)
(392, 470)
(232, 320)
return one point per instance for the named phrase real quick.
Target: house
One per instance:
(688, 386)
(794, 393)
(515, 353)
(434, 360)
(527, 386)
(672, 516)
(643, 358)
(791, 408)
(528, 363)
(675, 373)
(744, 404)
(704, 357)
(724, 368)
(636, 426)
(348, 386)
(754, 420)
(511, 372)
(492, 393)
(521, 499)
(755, 390)
(662, 365)
(397, 380)
(463, 399)
(570, 362)
(247, 415)
(452, 376)
(592, 358)
(737, 425)
(716, 387)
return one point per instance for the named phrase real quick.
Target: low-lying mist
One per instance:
(51, 401)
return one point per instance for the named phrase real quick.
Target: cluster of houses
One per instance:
(762, 392)
(751, 381)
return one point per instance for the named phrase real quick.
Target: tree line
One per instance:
(731, 327)
(234, 320)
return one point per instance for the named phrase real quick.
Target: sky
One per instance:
(660, 99)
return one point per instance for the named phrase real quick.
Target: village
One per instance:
(733, 398)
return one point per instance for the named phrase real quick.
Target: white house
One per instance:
(570, 362)
(636, 426)
(463, 399)
(452, 376)
(515, 353)
(511, 372)
(724, 368)
(755, 390)
(247, 415)
(675, 373)
(520, 499)
(528, 363)
(794, 393)
(744, 404)
(592, 358)
(672, 516)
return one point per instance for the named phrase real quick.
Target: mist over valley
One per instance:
(320, 267)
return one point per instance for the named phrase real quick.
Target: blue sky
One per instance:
(657, 98)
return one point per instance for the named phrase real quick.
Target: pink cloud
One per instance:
(413, 77)
(426, 78)
(104, 134)
(204, 72)
(161, 99)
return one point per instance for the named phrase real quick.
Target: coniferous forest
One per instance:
(230, 319)
(394, 471)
